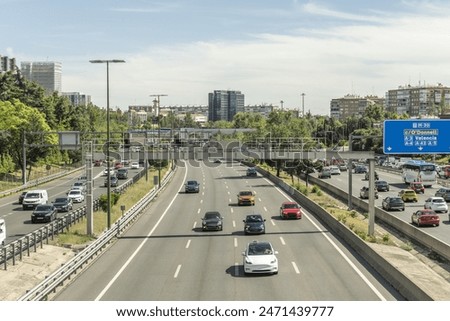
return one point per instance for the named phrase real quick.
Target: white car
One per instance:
(134, 165)
(437, 204)
(260, 257)
(111, 172)
(335, 170)
(76, 195)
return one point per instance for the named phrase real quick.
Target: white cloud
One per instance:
(323, 63)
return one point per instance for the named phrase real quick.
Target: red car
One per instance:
(417, 187)
(290, 210)
(425, 217)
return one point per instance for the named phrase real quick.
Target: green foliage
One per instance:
(103, 201)
(6, 164)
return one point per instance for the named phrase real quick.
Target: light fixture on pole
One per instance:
(108, 164)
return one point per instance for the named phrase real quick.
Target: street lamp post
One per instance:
(303, 104)
(108, 164)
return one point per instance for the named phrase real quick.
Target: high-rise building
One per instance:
(416, 101)
(7, 64)
(46, 74)
(224, 104)
(352, 105)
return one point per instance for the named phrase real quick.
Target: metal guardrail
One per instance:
(14, 251)
(39, 181)
(57, 278)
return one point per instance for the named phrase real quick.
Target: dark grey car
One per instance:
(393, 203)
(212, 221)
(443, 192)
(44, 213)
(63, 204)
(254, 224)
(192, 187)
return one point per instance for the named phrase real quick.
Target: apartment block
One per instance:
(352, 105)
(417, 101)
(77, 98)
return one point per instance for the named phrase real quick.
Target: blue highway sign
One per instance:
(416, 136)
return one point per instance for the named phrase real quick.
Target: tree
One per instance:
(24, 124)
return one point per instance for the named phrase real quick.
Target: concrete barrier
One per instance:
(381, 258)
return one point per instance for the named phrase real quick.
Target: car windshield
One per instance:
(380, 182)
(246, 193)
(396, 200)
(192, 183)
(43, 208)
(438, 200)
(211, 215)
(74, 192)
(32, 195)
(253, 218)
(260, 249)
(60, 200)
(410, 192)
(290, 206)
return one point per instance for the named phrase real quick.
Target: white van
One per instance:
(34, 198)
(2, 231)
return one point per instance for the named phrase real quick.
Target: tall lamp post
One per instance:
(108, 164)
(303, 104)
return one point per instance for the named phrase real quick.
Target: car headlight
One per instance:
(247, 260)
(273, 261)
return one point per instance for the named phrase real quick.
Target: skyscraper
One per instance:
(224, 104)
(46, 74)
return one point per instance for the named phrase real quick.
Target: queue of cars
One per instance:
(428, 216)
(259, 256)
(46, 211)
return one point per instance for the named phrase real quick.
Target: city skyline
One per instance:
(269, 50)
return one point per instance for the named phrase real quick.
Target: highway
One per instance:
(396, 183)
(18, 221)
(166, 256)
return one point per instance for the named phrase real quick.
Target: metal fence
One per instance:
(11, 252)
(64, 273)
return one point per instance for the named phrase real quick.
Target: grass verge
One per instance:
(77, 234)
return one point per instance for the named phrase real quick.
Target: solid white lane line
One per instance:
(295, 268)
(116, 276)
(177, 271)
(345, 257)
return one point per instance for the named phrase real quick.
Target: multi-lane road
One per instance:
(167, 256)
(18, 221)
(396, 183)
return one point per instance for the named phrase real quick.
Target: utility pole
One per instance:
(159, 131)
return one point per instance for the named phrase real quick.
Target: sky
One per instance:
(270, 50)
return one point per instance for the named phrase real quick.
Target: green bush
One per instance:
(103, 201)
(315, 189)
